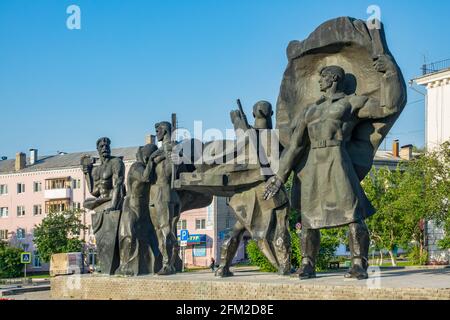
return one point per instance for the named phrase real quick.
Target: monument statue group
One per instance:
(341, 93)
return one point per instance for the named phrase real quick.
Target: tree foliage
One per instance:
(10, 265)
(437, 168)
(416, 192)
(59, 233)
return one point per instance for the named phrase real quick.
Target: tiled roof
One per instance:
(63, 161)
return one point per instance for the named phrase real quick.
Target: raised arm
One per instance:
(88, 168)
(147, 174)
(239, 120)
(287, 160)
(392, 91)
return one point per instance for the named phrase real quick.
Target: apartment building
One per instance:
(32, 186)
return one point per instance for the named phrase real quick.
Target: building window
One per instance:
(182, 224)
(20, 233)
(37, 210)
(76, 184)
(63, 183)
(199, 250)
(3, 189)
(36, 260)
(20, 211)
(57, 206)
(4, 212)
(20, 188)
(76, 206)
(4, 234)
(37, 186)
(200, 224)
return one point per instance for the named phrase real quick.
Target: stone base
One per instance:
(399, 284)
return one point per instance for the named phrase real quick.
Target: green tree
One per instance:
(416, 192)
(436, 165)
(394, 197)
(10, 265)
(59, 233)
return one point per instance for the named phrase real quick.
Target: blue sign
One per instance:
(184, 236)
(194, 238)
(25, 257)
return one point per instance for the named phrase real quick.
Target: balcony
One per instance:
(63, 193)
(435, 67)
(57, 188)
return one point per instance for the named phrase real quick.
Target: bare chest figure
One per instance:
(330, 120)
(103, 179)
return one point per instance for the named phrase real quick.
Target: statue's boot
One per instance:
(223, 272)
(307, 270)
(357, 270)
(228, 251)
(359, 242)
(310, 249)
(125, 271)
(166, 270)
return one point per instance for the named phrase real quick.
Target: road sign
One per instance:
(183, 243)
(25, 257)
(184, 235)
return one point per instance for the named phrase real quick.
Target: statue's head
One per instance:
(143, 154)
(104, 147)
(330, 76)
(162, 129)
(263, 112)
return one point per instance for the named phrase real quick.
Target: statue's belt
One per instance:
(318, 144)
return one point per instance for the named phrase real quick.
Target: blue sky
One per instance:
(134, 62)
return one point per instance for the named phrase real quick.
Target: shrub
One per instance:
(330, 240)
(257, 258)
(10, 265)
(417, 256)
(296, 253)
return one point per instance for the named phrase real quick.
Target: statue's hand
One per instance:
(87, 169)
(159, 159)
(384, 63)
(235, 116)
(86, 164)
(156, 154)
(239, 120)
(273, 185)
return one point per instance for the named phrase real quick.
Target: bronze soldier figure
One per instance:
(164, 200)
(331, 194)
(265, 220)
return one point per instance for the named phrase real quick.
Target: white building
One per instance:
(437, 120)
(436, 79)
